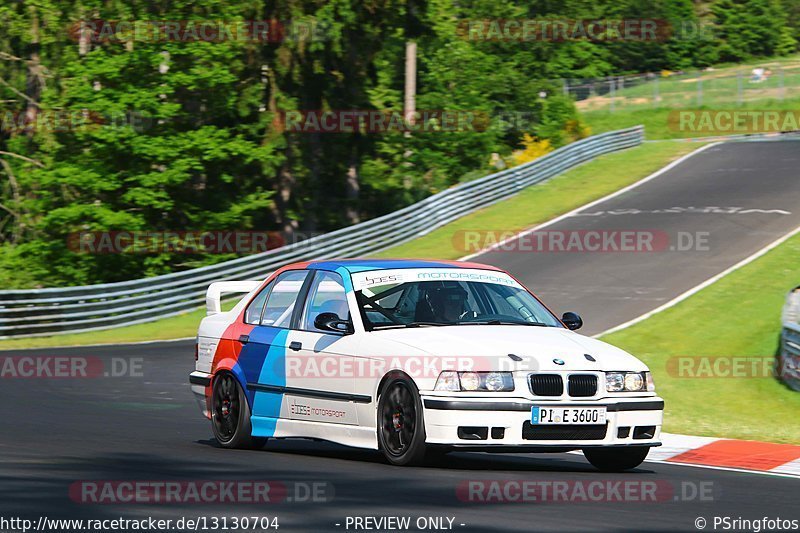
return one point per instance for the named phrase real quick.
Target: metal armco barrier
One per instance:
(789, 361)
(37, 312)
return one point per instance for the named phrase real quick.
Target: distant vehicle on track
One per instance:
(417, 358)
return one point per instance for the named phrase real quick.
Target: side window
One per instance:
(282, 298)
(253, 313)
(326, 296)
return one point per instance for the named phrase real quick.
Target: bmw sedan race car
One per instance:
(414, 358)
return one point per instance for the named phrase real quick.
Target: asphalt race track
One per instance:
(755, 185)
(58, 432)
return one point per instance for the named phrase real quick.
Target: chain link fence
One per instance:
(683, 89)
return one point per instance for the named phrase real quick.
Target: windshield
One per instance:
(487, 298)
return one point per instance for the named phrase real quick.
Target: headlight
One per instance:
(450, 380)
(470, 381)
(497, 381)
(628, 382)
(634, 382)
(615, 381)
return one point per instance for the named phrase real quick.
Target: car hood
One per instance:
(489, 346)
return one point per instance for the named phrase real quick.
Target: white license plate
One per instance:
(568, 415)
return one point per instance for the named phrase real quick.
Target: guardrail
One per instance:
(789, 361)
(37, 312)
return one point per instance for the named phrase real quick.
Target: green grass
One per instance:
(168, 328)
(737, 316)
(548, 200)
(533, 205)
(176, 327)
(720, 91)
(659, 124)
(724, 85)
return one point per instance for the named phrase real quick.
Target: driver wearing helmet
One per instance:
(448, 303)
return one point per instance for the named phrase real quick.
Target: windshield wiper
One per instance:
(493, 322)
(496, 322)
(409, 325)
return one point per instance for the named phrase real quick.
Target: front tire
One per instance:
(401, 426)
(616, 459)
(230, 414)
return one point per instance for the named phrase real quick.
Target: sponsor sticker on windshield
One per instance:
(376, 278)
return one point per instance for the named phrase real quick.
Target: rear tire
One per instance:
(401, 426)
(616, 459)
(230, 414)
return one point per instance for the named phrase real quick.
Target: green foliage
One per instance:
(750, 28)
(174, 135)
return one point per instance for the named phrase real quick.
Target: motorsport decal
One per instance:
(375, 278)
(336, 412)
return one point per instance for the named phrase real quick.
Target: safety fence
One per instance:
(717, 89)
(50, 311)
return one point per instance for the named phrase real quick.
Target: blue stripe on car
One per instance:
(263, 360)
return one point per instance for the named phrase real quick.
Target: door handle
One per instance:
(244, 339)
(296, 346)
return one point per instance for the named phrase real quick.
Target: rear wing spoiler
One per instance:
(218, 288)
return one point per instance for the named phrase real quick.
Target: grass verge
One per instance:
(546, 201)
(738, 316)
(725, 87)
(534, 205)
(175, 327)
(661, 123)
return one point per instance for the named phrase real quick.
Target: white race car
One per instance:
(415, 358)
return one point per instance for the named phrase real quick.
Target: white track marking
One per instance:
(791, 468)
(590, 204)
(137, 343)
(727, 469)
(703, 285)
(553, 221)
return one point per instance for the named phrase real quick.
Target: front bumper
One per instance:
(460, 421)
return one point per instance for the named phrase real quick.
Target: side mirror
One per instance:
(572, 320)
(332, 322)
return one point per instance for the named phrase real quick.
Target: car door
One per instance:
(320, 374)
(263, 356)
